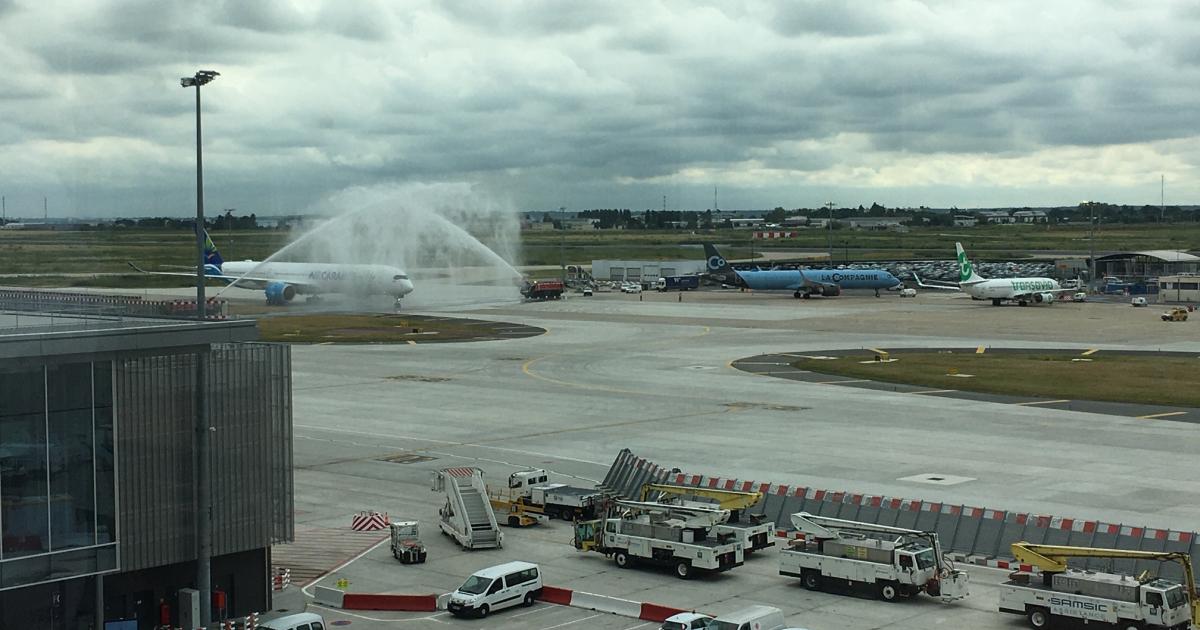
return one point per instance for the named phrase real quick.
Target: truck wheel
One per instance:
(528, 600)
(888, 592)
(1039, 617)
(483, 611)
(514, 521)
(811, 580)
(622, 559)
(683, 570)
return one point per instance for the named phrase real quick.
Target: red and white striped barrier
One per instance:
(645, 611)
(369, 521)
(282, 579)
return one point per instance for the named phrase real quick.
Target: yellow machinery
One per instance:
(1177, 314)
(511, 511)
(1053, 559)
(731, 500)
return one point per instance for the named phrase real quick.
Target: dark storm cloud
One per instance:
(556, 104)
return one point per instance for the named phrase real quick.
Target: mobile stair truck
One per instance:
(467, 515)
(556, 500)
(896, 562)
(666, 535)
(749, 529)
(1061, 594)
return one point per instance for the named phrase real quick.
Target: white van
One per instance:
(497, 587)
(294, 621)
(751, 618)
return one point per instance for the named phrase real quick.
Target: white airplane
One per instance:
(1023, 291)
(283, 281)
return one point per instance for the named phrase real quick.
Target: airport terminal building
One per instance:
(98, 467)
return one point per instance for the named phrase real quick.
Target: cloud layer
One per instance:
(544, 104)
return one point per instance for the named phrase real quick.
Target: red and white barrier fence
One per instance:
(281, 579)
(369, 521)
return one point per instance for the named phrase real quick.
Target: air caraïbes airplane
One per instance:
(1023, 291)
(804, 283)
(283, 281)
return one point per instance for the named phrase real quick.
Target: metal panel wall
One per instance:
(250, 409)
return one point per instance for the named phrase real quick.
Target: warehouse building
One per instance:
(98, 468)
(1184, 288)
(1146, 264)
(643, 271)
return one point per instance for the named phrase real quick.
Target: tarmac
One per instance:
(654, 372)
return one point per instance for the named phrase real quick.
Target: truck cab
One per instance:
(526, 478)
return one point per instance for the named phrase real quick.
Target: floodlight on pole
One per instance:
(202, 427)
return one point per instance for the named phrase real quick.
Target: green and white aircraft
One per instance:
(1023, 291)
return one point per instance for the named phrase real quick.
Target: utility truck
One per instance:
(677, 283)
(543, 289)
(752, 530)
(467, 515)
(896, 562)
(1060, 593)
(667, 535)
(533, 490)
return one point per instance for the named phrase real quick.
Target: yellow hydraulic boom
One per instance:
(1053, 559)
(731, 500)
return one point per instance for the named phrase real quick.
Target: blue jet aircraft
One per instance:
(804, 283)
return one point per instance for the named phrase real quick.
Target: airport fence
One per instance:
(95, 304)
(976, 535)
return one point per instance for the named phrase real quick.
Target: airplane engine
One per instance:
(831, 291)
(280, 293)
(1044, 298)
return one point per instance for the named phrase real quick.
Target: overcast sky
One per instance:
(544, 104)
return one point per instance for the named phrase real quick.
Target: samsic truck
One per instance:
(665, 535)
(1061, 594)
(895, 562)
(532, 489)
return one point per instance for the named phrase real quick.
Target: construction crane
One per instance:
(1058, 577)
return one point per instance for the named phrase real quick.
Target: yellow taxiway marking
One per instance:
(853, 380)
(1162, 415)
(1044, 402)
(1090, 352)
(980, 350)
(934, 391)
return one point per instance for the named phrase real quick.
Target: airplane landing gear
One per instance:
(797, 295)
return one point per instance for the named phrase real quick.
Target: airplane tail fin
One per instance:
(966, 271)
(715, 262)
(212, 257)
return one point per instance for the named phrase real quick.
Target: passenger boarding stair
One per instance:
(467, 514)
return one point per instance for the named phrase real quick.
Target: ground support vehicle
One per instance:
(1177, 314)
(749, 529)
(543, 290)
(896, 562)
(1060, 594)
(532, 489)
(677, 283)
(511, 511)
(665, 535)
(406, 542)
(495, 588)
(467, 515)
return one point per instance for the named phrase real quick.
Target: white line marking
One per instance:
(571, 622)
(339, 611)
(534, 611)
(1043, 402)
(934, 391)
(856, 380)
(451, 443)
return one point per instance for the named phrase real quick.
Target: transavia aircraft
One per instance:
(1023, 291)
(282, 281)
(804, 283)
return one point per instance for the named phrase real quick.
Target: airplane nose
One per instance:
(407, 285)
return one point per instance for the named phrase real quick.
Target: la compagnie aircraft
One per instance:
(1023, 291)
(283, 281)
(804, 283)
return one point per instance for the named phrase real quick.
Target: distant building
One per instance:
(580, 224)
(537, 226)
(1147, 264)
(875, 223)
(965, 220)
(747, 222)
(644, 270)
(1182, 288)
(1001, 217)
(1029, 216)
(796, 221)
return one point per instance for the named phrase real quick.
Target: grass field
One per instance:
(345, 328)
(1160, 380)
(108, 251)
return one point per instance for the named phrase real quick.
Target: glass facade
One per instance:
(57, 482)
